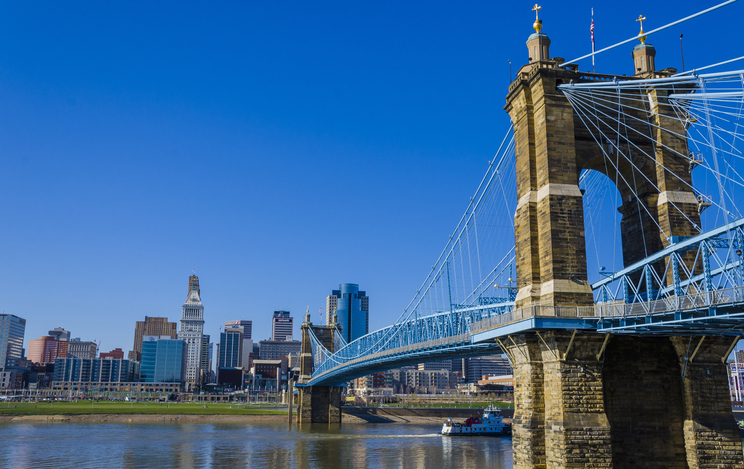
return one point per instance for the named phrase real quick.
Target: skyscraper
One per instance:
(231, 348)
(244, 325)
(281, 326)
(206, 354)
(331, 307)
(46, 349)
(192, 332)
(247, 328)
(12, 330)
(151, 326)
(60, 333)
(352, 310)
(163, 360)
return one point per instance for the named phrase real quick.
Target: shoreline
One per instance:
(217, 419)
(186, 418)
(143, 418)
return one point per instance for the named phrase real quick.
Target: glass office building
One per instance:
(94, 370)
(352, 310)
(163, 360)
(12, 330)
(231, 348)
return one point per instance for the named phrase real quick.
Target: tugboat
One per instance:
(490, 424)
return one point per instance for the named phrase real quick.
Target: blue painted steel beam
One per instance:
(536, 324)
(684, 245)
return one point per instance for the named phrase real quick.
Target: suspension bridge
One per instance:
(602, 254)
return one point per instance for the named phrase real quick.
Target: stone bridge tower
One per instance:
(553, 146)
(583, 399)
(317, 404)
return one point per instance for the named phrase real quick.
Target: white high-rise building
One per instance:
(192, 333)
(331, 305)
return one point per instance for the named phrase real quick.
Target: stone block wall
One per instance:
(629, 408)
(577, 431)
(553, 145)
(712, 436)
(528, 424)
(319, 404)
(549, 221)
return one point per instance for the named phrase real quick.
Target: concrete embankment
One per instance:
(410, 415)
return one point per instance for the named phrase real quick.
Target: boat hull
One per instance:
(483, 433)
(491, 424)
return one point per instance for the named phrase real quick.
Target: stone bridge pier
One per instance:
(317, 404)
(589, 400)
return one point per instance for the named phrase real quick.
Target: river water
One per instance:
(260, 445)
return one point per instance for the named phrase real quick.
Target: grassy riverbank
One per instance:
(130, 408)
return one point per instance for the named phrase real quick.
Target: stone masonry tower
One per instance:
(600, 401)
(553, 146)
(317, 404)
(549, 220)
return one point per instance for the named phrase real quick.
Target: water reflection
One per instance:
(134, 446)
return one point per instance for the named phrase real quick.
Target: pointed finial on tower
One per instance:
(641, 37)
(335, 317)
(307, 315)
(538, 23)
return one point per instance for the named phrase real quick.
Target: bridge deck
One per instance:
(712, 313)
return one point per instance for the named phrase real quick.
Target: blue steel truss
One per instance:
(438, 335)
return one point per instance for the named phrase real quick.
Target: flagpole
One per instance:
(594, 69)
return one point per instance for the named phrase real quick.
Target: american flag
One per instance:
(592, 27)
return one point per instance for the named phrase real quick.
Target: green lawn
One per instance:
(107, 407)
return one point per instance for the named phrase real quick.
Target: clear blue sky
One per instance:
(276, 149)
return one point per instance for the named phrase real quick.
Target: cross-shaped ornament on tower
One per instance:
(641, 37)
(536, 9)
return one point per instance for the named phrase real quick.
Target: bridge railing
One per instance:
(531, 312)
(723, 296)
(440, 343)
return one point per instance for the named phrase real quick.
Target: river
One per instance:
(259, 445)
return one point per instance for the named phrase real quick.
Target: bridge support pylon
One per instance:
(317, 404)
(559, 414)
(712, 437)
(637, 402)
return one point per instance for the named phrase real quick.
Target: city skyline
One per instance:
(110, 114)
